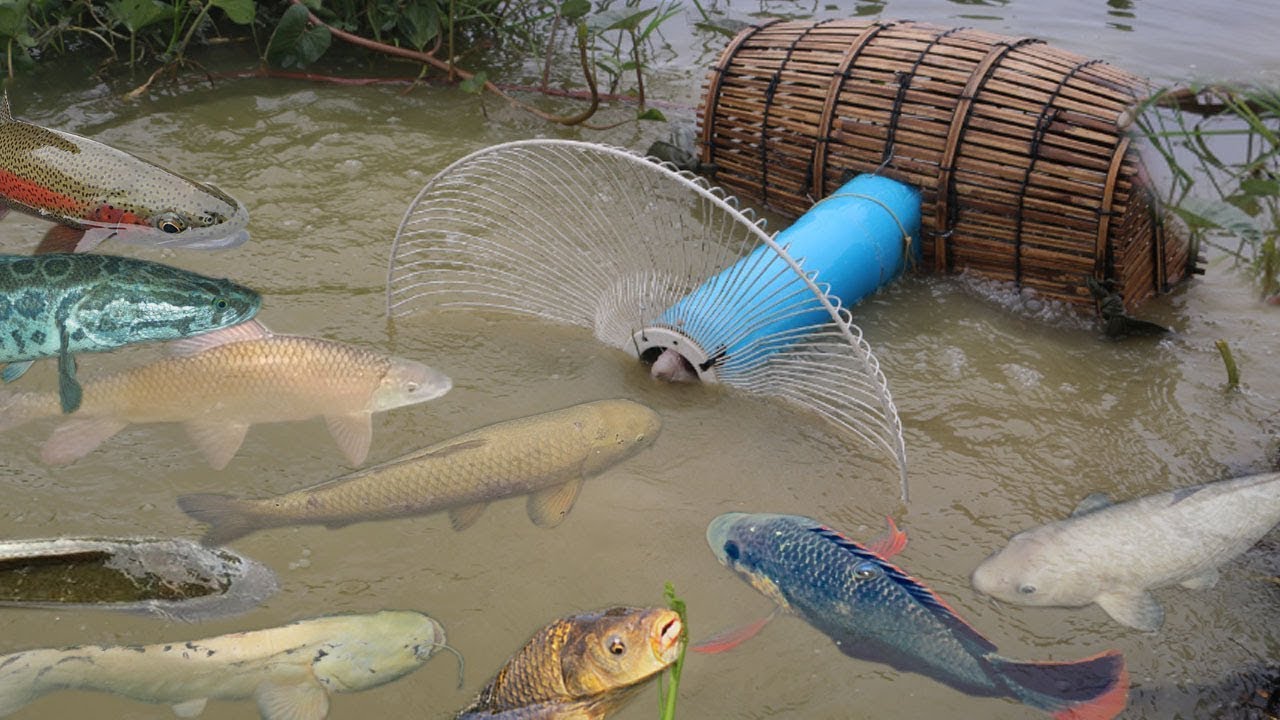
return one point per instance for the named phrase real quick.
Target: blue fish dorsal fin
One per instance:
(1092, 503)
(927, 598)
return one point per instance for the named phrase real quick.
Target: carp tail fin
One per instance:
(228, 517)
(1095, 688)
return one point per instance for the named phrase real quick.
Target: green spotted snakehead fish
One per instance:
(96, 192)
(874, 611)
(582, 667)
(288, 670)
(60, 304)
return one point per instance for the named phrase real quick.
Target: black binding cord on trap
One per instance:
(768, 104)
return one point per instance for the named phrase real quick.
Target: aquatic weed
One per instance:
(667, 694)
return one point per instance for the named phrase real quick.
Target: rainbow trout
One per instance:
(288, 670)
(58, 305)
(582, 667)
(545, 456)
(874, 611)
(1113, 555)
(219, 384)
(96, 192)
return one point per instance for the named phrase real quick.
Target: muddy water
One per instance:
(1010, 418)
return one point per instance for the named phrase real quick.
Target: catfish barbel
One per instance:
(545, 456)
(61, 304)
(96, 192)
(288, 670)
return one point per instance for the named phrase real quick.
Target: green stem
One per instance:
(668, 695)
(1233, 373)
(191, 31)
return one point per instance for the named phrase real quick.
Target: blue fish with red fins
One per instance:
(874, 611)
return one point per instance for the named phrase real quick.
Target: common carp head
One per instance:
(1033, 569)
(158, 302)
(616, 648)
(408, 382)
(364, 651)
(622, 428)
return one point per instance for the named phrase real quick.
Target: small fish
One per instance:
(545, 456)
(61, 304)
(1113, 555)
(874, 611)
(96, 192)
(582, 667)
(220, 383)
(288, 670)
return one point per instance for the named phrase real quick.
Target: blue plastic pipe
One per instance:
(857, 239)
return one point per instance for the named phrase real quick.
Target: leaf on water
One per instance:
(239, 11)
(1205, 213)
(623, 18)
(295, 43)
(652, 114)
(575, 9)
(474, 84)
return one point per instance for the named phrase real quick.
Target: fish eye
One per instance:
(411, 387)
(731, 550)
(170, 223)
(617, 646)
(1027, 589)
(866, 570)
(220, 303)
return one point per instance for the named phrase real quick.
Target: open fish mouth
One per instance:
(666, 638)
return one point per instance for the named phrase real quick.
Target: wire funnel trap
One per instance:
(654, 262)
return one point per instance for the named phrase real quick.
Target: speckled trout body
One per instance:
(106, 193)
(288, 670)
(62, 304)
(545, 456)
(221, 383)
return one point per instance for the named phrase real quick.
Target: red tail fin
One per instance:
(1095, 688)
(891, 544)
(733, 637)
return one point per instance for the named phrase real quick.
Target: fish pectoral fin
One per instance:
(78, 437)
(465, 516)
(218, 440)
(353, 434)
(14, 370)
(69, 391)
(731, 638)
(549, 506)
(1134, 608)
(1203, 581)
(93, 237)
(190, 708)
(61, 239)
(1092, 503)
(299, 701)
(450, 449)
(250, 330)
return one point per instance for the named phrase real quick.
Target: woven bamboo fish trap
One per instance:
(1014, 145)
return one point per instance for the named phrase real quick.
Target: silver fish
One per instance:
(1113, 555)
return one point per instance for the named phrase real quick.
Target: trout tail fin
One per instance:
(20, 679)
(1095, 688)
(228, 517)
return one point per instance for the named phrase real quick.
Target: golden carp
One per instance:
(288, 670)
(546, 456)
(220, 383)
(97, 192)
(582, 667)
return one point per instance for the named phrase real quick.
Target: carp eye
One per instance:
(616, 646)
(1027, 589)
(731, 550)
(866, 570)
(170, 223)
(411, 387)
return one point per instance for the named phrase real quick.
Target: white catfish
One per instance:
(288, 670)
(1113, 554)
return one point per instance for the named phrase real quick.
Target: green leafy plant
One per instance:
(1221, 146)
(667, 694)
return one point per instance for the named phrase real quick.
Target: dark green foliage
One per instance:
(296, 43)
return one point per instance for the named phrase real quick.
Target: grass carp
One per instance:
(874, 611)
(1113, 555)
(220, 383)
(545, 456)
(96, 192)
(582, 667)
(288, 670)
(61, 304)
